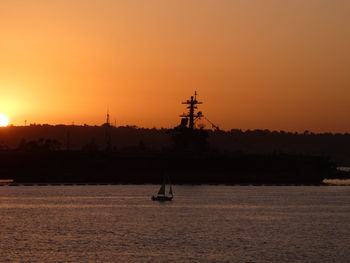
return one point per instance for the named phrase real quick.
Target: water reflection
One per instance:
(202, 224)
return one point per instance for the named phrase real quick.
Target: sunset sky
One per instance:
(272, 64)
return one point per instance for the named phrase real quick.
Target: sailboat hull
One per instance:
(162, 198)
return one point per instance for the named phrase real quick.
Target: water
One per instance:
(202, 224)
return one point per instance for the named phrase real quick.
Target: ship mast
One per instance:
(191, 115)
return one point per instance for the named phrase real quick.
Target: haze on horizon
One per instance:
(279, 65)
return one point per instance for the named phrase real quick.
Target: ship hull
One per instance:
(162, 198)
(148, 168)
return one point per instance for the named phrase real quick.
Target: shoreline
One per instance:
(339, 182)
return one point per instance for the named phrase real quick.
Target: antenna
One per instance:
(108, 119)
(108, 131)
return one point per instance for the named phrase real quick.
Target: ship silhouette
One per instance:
(190, 160)
(186, 136)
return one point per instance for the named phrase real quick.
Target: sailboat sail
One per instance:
(162, 189)
(171, 191)
(161, 193)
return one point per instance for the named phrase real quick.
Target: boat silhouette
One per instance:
(161, 196)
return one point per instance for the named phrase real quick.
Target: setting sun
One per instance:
(3, 120)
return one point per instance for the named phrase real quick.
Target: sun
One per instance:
(3, 120)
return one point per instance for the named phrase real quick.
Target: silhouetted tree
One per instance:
(3, 146)
(40, 145)
(91, 146)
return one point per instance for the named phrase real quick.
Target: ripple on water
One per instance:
(202, 224)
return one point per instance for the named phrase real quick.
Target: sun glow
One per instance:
(3, 120)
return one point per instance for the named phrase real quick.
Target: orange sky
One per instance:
(281, 65)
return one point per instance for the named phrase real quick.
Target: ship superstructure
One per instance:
(189, 119)
(186, 136)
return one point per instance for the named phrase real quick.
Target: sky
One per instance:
(272, 64)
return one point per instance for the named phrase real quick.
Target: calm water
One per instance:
(202, 224)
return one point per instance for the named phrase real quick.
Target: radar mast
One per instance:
(192, 114)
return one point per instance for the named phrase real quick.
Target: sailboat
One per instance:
(161, 196)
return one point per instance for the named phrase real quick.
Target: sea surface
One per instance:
(120, 223)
